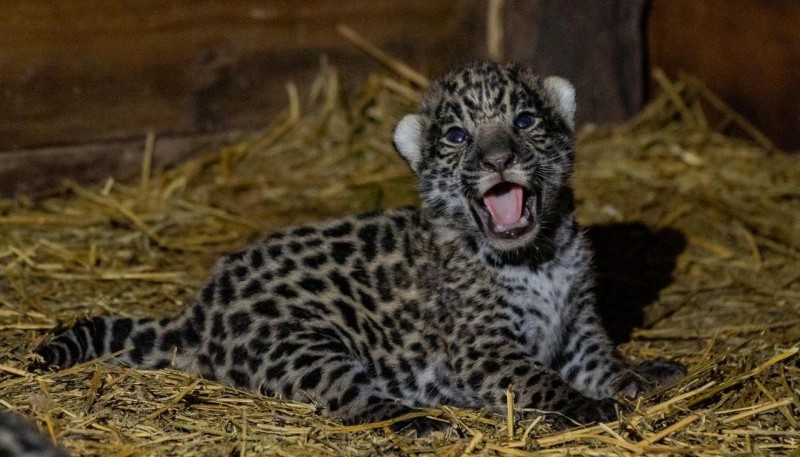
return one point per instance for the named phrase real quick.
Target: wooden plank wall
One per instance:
(747, 51)
(82, 82)
(598, 44)
(75, 71)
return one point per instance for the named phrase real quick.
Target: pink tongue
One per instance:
(504, 203)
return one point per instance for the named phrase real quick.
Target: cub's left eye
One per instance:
(525, 121)
(455, 136)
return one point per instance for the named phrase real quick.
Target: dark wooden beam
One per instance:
(82, 81)
(80, 72)
(597, 44)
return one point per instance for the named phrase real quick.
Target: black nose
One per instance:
(497, 160)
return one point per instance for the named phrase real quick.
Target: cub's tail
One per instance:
(153, 343)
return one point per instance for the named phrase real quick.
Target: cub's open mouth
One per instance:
(507, 210)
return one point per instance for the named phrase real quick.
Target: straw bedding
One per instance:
(698, 241)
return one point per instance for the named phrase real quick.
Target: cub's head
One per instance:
(492, 148)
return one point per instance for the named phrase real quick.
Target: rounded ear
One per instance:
(407, 136)
(561, 95)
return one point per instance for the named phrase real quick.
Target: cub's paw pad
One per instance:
(661, 371)
(588, 411)
(648, 376)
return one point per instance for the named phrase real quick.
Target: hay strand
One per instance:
(393, 64)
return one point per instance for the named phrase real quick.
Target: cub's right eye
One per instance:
(456, 136)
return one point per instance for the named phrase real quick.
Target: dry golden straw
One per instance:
(719, 215)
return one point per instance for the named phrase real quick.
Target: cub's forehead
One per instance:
(481, 91)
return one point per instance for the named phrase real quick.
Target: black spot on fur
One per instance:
(191, 335)
(311, 379)
(235, 257)
(313, 243)
(305, 360)
(349, 395)
(371, 337)
(217, 326)
(286, 348)
(98, 334)
(120, 331)
(313, 285)
(348, 312)
(239, 355)
(338, 230)
(341, 251)
(239, 323)
(256, 258)
(368, 234)
(303, 231)
(252, 288)
(276, 371)
(301, 313)
(241, 272)
(522, 370)
(333, 404)
(260, 344)
(208, 292)
(402, 278)
(275, 250)
(388, 242)
(143, 343)
(315, 261)
(254, 363)
(239, 378)
(341, 283)
(171, 339)
(366, 300)
(384, 287)
(287, 266)
(226, 291)
(359, 273)
(285, 291)
(266, 307)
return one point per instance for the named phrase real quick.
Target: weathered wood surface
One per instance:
(75, 71)
(42, 171)
(103, 73)
(598, 44)
(747, 51)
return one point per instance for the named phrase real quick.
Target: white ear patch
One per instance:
(562, 95)
(407, 137)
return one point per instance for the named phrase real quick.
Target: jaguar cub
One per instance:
(20, 438)
(486, 285)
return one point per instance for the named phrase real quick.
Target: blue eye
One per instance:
(456, 136)
(524, 121)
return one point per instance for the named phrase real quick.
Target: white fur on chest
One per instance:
(542, 296)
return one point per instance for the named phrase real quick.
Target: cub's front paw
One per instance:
(647, 376)
(588, 410)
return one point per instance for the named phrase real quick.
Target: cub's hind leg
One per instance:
(323, 364)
